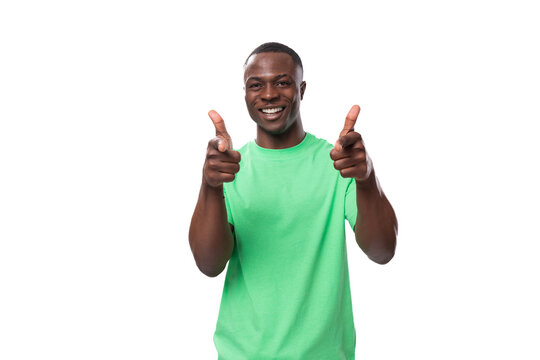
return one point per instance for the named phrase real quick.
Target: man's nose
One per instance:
(269, 93)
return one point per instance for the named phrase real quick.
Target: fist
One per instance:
(349, 153)
(222, 162)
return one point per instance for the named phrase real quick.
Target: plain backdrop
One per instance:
(104, 127)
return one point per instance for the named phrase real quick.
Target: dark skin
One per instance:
(274, 89)
(272, 80)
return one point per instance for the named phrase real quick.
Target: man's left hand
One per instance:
(349, 153)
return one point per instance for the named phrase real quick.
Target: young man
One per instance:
(275, 210)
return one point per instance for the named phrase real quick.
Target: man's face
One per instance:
(274, 88)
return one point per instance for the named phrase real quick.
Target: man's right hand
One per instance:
(222, 162)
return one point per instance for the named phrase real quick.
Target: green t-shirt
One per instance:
(286, 293)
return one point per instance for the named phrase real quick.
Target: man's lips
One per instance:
(270, 110)
(272, 113)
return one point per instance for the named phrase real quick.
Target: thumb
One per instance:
(219, 124)
(350, 121)
(225, 142)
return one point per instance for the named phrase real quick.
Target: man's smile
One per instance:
(272, 113)
(272, 110)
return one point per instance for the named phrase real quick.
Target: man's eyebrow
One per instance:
(280, 76)
(256, 78)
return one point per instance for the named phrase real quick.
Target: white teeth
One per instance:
(272, 111)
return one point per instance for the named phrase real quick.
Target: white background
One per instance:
(103, 108)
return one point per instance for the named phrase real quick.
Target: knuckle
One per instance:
(210, 179)
(211, 152)
(212, 163)
(210, 175)
(363, 168)
(235, 156)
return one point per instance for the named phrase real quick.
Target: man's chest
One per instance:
(278, 191)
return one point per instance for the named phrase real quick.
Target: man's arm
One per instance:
(210, 234)
(376, 222)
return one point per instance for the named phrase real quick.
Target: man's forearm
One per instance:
(210, 235)
(376, 223)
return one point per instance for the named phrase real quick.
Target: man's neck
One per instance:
(292, 137)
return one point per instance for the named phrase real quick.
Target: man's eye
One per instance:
(284, 83)
(254, 86)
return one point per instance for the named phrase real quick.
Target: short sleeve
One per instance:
(227, 206)
(351, 209)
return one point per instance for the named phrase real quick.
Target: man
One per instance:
(275, 210)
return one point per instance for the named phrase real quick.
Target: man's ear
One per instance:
(302, 89)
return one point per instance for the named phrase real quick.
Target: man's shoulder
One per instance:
(244, 149)
(320, 143)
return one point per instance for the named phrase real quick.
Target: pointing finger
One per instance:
(348, 140)
(350, 120)
(220, 143)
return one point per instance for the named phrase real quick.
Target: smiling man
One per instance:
(275, 211)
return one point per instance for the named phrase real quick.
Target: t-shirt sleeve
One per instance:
(227, 206)
(350, 202)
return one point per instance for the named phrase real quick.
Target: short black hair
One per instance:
(278, 48)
